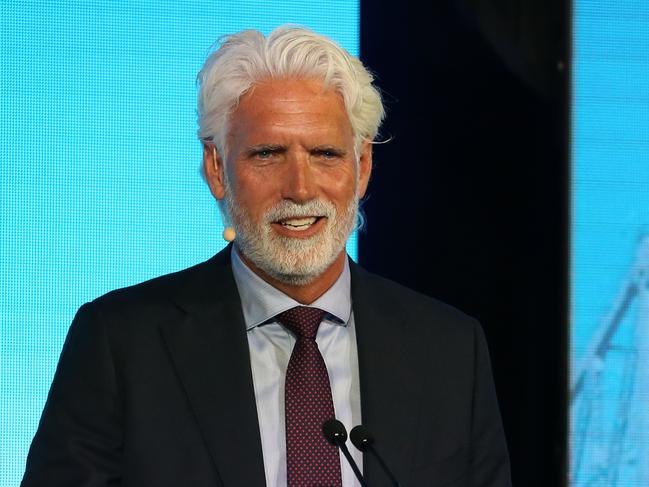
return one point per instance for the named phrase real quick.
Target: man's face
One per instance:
(290, 179)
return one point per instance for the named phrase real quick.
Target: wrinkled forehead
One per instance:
(299, 91)
(293, 95)
(291, 108)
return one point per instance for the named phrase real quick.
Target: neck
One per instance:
(305, 293)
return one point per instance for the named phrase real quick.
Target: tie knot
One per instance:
(302, 321)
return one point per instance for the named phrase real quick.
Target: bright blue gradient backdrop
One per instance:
(99, 174)
(610, 216)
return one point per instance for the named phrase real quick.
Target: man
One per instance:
(222, 374)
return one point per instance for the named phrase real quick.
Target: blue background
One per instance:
(100, 185)
(610, 213)
(100, 182)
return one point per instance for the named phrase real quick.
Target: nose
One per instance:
(299, 180)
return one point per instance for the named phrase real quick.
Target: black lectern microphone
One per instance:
(364, 441)
(336, 434)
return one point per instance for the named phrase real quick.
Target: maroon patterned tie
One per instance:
(310, 460)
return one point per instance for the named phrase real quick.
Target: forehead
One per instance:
(289, 107)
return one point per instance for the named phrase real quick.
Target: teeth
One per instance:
(299, 223)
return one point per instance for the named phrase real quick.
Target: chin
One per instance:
(292, 261)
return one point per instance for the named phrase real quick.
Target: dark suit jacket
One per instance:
(154, 388)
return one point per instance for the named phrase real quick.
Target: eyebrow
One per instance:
(252, 150)
(278, 149)
(330, 148)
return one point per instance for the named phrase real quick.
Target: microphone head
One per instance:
(229, 234)
(361, 438)
(335, 432)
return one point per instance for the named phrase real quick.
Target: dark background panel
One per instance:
(469, 198)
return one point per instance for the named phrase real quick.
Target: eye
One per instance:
(328, 153)
(264, 154)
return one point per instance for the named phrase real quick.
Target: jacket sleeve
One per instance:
(79, 437)
(489, 457)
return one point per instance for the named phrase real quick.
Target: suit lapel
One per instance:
(389, 387)
(210, 352)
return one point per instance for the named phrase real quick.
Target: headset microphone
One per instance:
(229, 234)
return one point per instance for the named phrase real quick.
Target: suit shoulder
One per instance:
(161, 294)
(422, 308)
(154, 289)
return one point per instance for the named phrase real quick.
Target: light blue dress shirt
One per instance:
(270, 347)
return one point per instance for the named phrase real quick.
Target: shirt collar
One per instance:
(261, 301)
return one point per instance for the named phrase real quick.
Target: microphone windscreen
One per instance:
(229, 234)
(361, 438)
(334, 431)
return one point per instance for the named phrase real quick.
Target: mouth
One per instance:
(299, 226)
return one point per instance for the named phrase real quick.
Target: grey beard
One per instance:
(292, 261)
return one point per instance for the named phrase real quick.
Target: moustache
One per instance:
(289, 209)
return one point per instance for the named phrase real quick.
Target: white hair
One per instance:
(292, 52)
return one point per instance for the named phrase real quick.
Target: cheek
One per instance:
(253, 180)
(342, 186)
(253, 195)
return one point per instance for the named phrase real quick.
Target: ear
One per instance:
(213, 170)
(364, 167)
